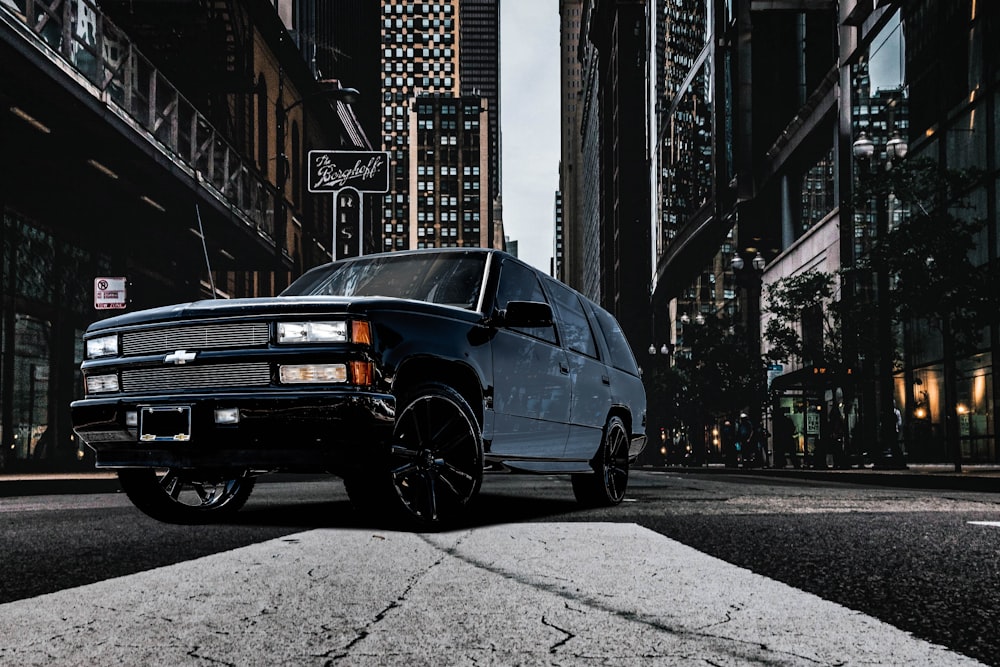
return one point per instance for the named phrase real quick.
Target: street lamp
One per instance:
(864, 150)
(750, 279)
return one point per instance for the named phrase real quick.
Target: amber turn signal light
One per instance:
(361, 332)
(363, 373)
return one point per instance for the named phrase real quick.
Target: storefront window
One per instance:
(51, 282)
(922, 424)
(975, 396)
(31, 388)
(924, 421)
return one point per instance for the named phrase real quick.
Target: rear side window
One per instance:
(574, 329)
(519, 283)
(621, 353)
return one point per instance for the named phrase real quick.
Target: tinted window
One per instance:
(452, 279)
(621, 353)
(574, 329)
(519, 283)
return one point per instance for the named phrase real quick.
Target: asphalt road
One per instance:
(925, 562)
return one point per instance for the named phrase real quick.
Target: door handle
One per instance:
(606, 380)
(563, 368)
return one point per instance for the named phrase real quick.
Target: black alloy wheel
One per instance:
(186, 496)
(607, 485)
(435, 461)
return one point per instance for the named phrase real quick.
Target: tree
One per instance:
(787, 299)
(806, 325)
(715, 374)
(930, 258)
(929, 255)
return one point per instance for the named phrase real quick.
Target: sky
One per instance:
(529, 124)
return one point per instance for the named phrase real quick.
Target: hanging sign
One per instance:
(330, 171)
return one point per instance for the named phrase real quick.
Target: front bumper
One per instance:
(303, 431)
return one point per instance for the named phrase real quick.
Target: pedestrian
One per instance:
(899, 419)
(784, 440)
(729, 453)
(745, 444)
(836, 421)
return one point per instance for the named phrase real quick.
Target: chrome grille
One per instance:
(215, 376)
(196, 337)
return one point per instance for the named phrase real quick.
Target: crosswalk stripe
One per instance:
(515, 593)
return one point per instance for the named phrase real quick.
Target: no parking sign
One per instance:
(109, 293)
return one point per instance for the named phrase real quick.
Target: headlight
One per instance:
(312, 332)
(103, 346)
(97, 384)
(312, 373)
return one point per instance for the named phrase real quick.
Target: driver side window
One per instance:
(519, 283)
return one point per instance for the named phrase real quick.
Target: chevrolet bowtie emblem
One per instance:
(179, 357)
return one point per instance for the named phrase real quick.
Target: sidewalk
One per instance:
(974, 477)
(43, 484)
(982, 478)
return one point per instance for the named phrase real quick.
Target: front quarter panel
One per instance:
(435, 344)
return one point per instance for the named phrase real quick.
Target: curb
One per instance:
(986, 480)
(55, 484)
(58, 484)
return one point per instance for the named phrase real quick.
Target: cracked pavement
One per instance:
(527, 594)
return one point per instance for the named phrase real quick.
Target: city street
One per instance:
(529, 579)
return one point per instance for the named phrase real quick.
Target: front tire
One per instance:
(606, 486)
(434, 465)
(186, 496)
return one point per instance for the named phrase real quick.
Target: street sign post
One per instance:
(348, 174)
(773, 371)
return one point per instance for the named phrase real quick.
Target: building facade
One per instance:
(422, 60)
(588, 216)
(449, 176)
(620, 176)
(151, 158)
(479, 73)
(569, 258)
(777, 98)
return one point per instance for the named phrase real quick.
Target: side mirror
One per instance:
(525, 315)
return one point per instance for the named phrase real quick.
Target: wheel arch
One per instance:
(622, 413)
(458, 376)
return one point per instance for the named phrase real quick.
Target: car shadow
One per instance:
(489, 509)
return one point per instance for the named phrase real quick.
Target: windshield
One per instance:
(452, 279)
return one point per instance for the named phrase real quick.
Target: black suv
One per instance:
(408, 374)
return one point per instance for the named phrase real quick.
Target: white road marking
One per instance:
(995, 524)
(600, 593)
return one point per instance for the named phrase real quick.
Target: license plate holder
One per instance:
(165, 423)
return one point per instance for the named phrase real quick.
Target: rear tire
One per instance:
(187, 496)
(606, 486)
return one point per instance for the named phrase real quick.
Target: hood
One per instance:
(284, 305)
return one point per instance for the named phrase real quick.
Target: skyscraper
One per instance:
(424, 49)
(479, 69)
(569, 259)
